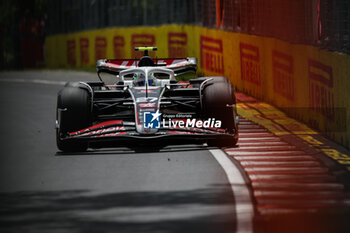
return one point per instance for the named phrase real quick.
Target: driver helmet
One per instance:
(151, 79)
(139, 79)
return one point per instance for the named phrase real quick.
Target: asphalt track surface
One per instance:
(287, 185)
(177, 189)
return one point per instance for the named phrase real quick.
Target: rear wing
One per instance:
(178, 65)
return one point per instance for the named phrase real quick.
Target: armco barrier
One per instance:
(310, 84)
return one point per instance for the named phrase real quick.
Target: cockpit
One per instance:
(140, 77)
(139, 80)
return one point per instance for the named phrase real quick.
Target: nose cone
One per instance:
(148, 117)
(151, 122)
(147, 114)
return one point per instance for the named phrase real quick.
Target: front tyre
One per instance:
(218, 102)
(73, 113)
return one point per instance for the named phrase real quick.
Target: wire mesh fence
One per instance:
(324, 23)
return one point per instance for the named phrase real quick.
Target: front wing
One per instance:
(121, 131)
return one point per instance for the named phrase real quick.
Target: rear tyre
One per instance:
(218, 100)
(73, 113)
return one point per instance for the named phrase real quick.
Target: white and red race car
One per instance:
(142, 102)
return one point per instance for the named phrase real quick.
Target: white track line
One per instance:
(39, 81)
(241, 144)
(264, 169)
(280, 163)
(244, 205)
(250, 135)
(294, 152)
(327, 177)
(303, 186)
(287, 147)
(259, 139)
(274, 158)
(297, 193)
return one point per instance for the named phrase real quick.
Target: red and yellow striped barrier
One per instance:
(310, 84)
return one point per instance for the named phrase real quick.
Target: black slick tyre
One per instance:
(218, 100)
(73, 113)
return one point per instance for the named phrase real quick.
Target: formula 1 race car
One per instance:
(140, 102)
